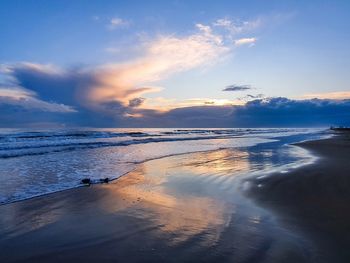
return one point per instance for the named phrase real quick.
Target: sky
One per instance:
(174, 63)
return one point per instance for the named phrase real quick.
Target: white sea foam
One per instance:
(33, 163)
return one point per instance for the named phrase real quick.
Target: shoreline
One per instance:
(111, 180)
(314, 197)
(178, 209)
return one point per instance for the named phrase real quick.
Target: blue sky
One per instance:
(77, 62)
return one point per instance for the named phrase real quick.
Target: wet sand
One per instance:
(190, 208)
(315, 198)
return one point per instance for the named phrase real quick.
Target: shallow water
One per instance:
(37, 162)
(183, 208)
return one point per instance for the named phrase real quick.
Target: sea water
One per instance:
(38, 162)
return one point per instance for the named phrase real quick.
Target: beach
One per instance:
(315, 197)
(174, 131)
(193, 207)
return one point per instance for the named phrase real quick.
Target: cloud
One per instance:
(238, 26)
(17, 96)
(245, 41)
(41, 93)
(117, 22)
(267, 112)
(164, 104)
(283, 112)
(258, 96)
(136, 102)
(28, 102)
(193, 116)
(13, 115)
(110, 93)
(250, 97)
(198, 112)
(91, 87)
(47, 82)
(223, 22)
(338, 95)
(116, 88)
(163, 57)
(114, 94)
(235, 87)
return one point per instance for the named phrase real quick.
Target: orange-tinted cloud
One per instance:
(119, 89)
(162, 57)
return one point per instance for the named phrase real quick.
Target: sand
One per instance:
(191, 209)
(316, 197)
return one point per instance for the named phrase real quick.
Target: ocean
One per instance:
(39, 162)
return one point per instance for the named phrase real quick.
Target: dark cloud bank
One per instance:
(273, 112)
(68, 89)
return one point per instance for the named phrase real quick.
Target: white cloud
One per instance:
(237, 27)
(117, 22)
(162, 57)
(245, 41)
(15, 94)
(45, 68)
(93, 87)
(224, 22)
(27, 99)
(208, 32)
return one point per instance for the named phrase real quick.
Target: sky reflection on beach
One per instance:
(150, 198)
(37, 163)
(183, 206)
(193, 195)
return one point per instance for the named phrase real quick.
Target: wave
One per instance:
(33, 176)
(39, 143)
(40, 135)
(11, 152)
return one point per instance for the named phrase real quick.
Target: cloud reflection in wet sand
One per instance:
(183, 207)
(196, 196)
(179, 215)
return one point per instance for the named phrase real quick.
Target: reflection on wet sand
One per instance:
(196, 196)
(226, 162)
(25, 217)
(181, 216)
(179, 208)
